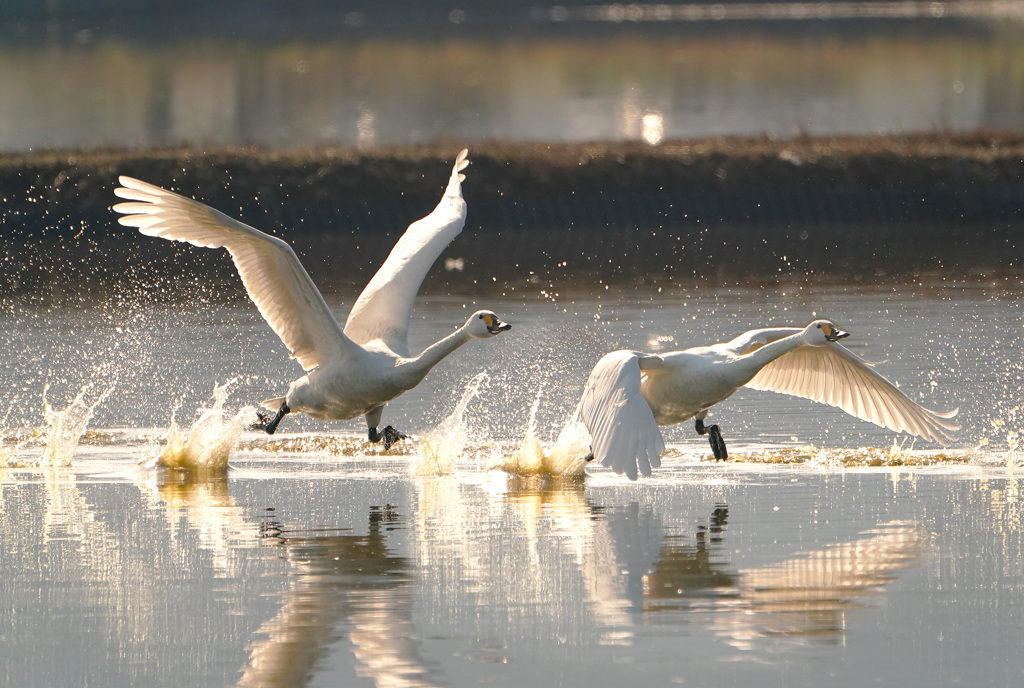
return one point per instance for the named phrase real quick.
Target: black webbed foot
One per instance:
(263, 418)
(389, 436)
(267, 422)
(714, 439)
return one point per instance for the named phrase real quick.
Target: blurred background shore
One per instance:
(629, 143)
(544, 216)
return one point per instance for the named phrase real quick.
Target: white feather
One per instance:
(382, 311)
(346, 378)
(271, 272)
(624, 435)
(836, 376)
(629, 394)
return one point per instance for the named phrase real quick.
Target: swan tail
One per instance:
(273, 404)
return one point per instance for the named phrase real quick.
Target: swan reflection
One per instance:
(352, 583)
(546, 564)
(809, 595)
(205, 507)
(587, 573)
(804, 596)
(690, 570)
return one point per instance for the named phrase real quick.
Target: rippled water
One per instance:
(318, 560)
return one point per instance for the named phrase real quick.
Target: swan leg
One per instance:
(390, 436)
(268, 424)
(714, 439)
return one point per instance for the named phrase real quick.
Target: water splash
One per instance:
(441, 447)
(320, 445)
(210, 440)
(838, 458)
(6, 455)
(565, 458)
(7, 452)
(65, 428)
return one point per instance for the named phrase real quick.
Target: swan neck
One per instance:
(769, 352)
(435, 353)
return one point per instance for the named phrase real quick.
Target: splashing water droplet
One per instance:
(566, 457)
(441, 447)
(210, 440)
(65, 428)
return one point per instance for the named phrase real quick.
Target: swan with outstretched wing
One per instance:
(351, 371)
(629, 394)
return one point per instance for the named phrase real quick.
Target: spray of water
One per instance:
(441, 447)
(210, 440)
(565, 458)
(65, 428)
(8, 447)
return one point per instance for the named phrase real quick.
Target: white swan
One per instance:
(629, 394)
(351, 372)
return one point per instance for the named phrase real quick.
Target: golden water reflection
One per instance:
(810, 595)
(353, 582)
(487, 561)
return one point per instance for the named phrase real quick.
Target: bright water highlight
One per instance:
(315, 558)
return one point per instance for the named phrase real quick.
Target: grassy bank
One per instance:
(756, 208)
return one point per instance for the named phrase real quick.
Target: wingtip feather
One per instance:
(461, 161)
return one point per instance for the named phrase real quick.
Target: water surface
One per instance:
(317, 560)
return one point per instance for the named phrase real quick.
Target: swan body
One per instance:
(629, 393)
(351, 371)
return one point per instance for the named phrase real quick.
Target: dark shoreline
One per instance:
(804, 209)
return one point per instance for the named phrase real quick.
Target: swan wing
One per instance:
(833, 375)
(271, 272)
(382, 311)
(624, 435)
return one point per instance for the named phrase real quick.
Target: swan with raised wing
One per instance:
(351, 371)
(629, 393)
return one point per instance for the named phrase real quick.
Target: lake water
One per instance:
(318, 560)
(640, 81)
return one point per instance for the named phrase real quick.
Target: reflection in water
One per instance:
(521, 575)
(206, 508)
(626, 86)
(628, 570)
(1005, 501)
(68, 516)
(808, 595)
(489, 569)
(686, 571)
(341, 582)
(560, 509)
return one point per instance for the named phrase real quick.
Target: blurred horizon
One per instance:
(86, 21)
(116, 74)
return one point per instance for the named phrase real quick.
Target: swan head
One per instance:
(822, 332)
(483, 324)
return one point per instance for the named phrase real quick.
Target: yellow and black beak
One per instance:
(833, 334)
(494, 326)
